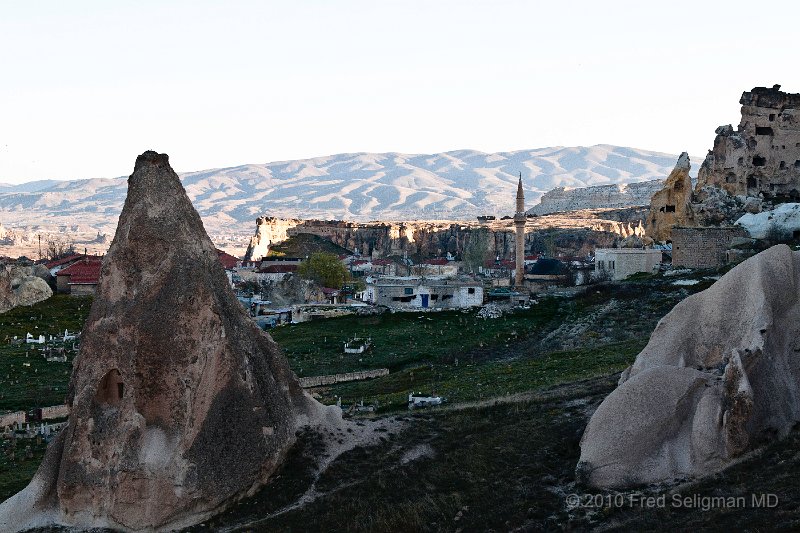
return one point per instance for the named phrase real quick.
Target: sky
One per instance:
(85, 86)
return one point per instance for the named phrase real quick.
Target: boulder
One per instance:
(719, 377)
(179, 404)
(20, 286)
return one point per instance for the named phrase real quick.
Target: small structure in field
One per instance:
(420, 401)
(357, 345)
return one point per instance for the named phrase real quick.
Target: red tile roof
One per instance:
(439, 261)
(278, 269)
(68, 259)
(382, 262)
(228, 261)
(83, 272)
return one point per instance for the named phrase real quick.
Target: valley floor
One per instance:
(500, 454)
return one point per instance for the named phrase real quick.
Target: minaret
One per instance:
(519, 223)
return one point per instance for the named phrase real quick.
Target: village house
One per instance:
(619, 263)
(56, 265)
(80, 278)
(422, 293)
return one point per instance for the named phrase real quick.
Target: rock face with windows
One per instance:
(179, 404)
(670, 205)
(762, 156)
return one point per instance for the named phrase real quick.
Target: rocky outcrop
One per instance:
(269, 231)
(179, 404)
(781, 223)
(762, 156)
(22, 285)
(718, 378)
(669, 207)
(562, 199)
(420, 239)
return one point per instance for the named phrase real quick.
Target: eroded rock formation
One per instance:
(762, 156)
(22, 285)
(563, 199)
(423, 239)
(179, 404)
(718, 378)
(670, 206)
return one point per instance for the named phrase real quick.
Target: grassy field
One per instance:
(27, 380)
(470, 466)
(400, 339)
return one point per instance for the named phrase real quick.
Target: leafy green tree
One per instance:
(476, 250)
(324, 269)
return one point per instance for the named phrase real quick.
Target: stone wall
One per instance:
(702, 247)
(317, 381)
(763, 154)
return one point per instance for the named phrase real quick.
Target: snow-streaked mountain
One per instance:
(361, 186)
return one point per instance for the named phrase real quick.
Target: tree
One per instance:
(58, 248)
(324, 269)
(476, 250)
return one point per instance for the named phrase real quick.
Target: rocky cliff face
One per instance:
(562, 199)
(269, 230)
(717, 379)
(435, 239)
(179, 404)
(762, 156)
(670, 206)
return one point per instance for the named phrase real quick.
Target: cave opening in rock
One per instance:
(111, 388)
(752, 183)
(670, 209)
(764, 130)
(759, 161)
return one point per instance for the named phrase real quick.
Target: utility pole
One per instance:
(40, 246)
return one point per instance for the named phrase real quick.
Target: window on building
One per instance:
(611, 264)
(471, 290)
(771, 117)
(408, 290)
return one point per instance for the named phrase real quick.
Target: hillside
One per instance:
(453, 185)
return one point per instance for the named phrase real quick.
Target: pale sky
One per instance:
(88, 85)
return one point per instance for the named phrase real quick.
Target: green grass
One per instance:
(467, 382)
(27, 380)
(17, 472)
(402, 339)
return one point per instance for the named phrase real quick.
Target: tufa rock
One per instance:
(179, 404)
(718, 378)
(670, 206)
(761, 156)
(22, 285)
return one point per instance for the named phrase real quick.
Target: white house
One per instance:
(423, 293)
(619, 263)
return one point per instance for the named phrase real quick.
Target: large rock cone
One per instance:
(179, 404)
(720, 376)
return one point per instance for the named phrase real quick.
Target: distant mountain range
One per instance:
(361, 186)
